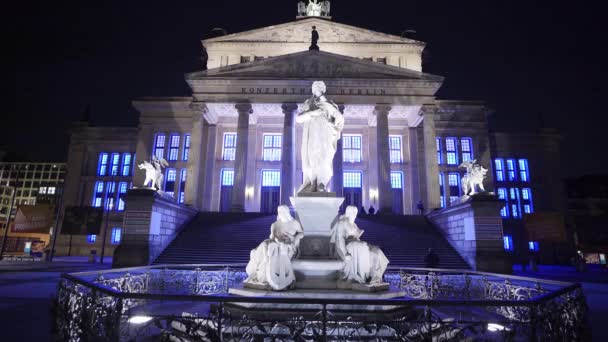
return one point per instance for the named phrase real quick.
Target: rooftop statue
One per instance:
(314, 8)
(270, 263)
(363, 263)
(154, 172)
(301, 9)
(323, 124)
(473, 177)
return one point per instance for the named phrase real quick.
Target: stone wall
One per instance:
(474, 229)
(151, 222)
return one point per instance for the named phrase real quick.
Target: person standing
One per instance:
(420, 207)
(432, 259)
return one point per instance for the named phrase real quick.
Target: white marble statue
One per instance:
(313, 8)
(325, 6)
(363, 263)
(323, 124)
(270, 263)
(301, 9)
(473, 178)
(154, 172)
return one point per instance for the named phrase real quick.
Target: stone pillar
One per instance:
(338, 163)
(195, 157)
(430, 158)
(240, 161)
(288, 156)
(209, 197)
(385, 196)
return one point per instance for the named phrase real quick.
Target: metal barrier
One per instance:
(191, 303)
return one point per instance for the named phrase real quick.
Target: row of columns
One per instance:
(288, 162)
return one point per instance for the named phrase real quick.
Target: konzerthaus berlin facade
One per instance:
(234, 144)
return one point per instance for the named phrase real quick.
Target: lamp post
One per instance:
(108, 210)
(10, 208)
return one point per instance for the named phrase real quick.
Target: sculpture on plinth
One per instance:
(314, 8)
(270, 263)
(473, 178)
(323, 124)
(154, 172)
(363, 263)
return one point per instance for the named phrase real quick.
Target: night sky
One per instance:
(525, 59)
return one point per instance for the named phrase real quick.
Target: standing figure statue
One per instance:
(314, 38)
(323, 125)
(154, 172)
(313, 9)
(325, 9)
(301, 9)
(473, 177)
(270, 263)
(363, 263)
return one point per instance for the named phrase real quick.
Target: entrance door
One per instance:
(397, 189)
(352, 189)
(226, 183)
(270, 191)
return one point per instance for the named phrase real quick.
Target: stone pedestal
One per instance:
(151, 221)
(317, 212)
(473, 226)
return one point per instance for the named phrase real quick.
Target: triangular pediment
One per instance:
(299, 31)
(314, 64)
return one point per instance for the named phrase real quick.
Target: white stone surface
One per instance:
(316, 214)
(317, 274)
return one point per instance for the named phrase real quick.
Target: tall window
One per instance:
(438, 146)
(126, 164)
(182, 186)
(533, 246)
(159, 145)
(394, 145)
(229, 147)
(98, 194)
(511, 176)
(352, 179)
(186, 147)
(499, 167)
(524, 174)
(174, 147)
(91, 238)
(110, 195)
(122, 191)
(271, 178)
(116, 235)
(227, 177)
(526, 198)
(272, 147)
(441, 190)
(514, 202)
(454, 183)
(115, 164)
(170, 182)
(351, 147)
(502, 195)
(102, 165)
(507, 242)
(466, 148)
(452, 153)
(396, 180)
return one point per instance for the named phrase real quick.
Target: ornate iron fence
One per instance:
(191, 303)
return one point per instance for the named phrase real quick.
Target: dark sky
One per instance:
(522, 57)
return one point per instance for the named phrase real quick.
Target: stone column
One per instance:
(240, 161)
(288, 156)
(385, 196)
(430, 158)
(195, 160)
(338, 163)
(210, 198)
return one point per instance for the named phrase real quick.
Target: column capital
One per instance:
(244, 108)
(289, 108)
(382, 109)
(201, 110)
(429, 110)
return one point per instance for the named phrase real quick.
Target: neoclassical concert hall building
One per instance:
(234, 145)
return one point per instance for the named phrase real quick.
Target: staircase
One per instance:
(225, 238)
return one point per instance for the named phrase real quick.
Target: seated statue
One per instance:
(363, 263)
(270, 263)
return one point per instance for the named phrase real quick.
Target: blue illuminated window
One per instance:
(115, 164)
(352, 179)
(159, 145)
(170, 182)
(227, 177)
(102, 165)
(526, 196)
(524, 173)
(91, 238)
(122, 191)
(466, 147)
(533, 246)
(499, 167)
(272, 147)
(351, 148)
(394, 146)
(229, 147)
(396, 180)
(441, 190)
(126, 164)
(452, 153)
(98, 195)
(110, 192)
(116, 235)
(182, 186)
(454, 184)
(186, 147)
(507, 242)
(174, 147)
(438, 146)
(271, 178)
(502, 195)
(511, 175)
